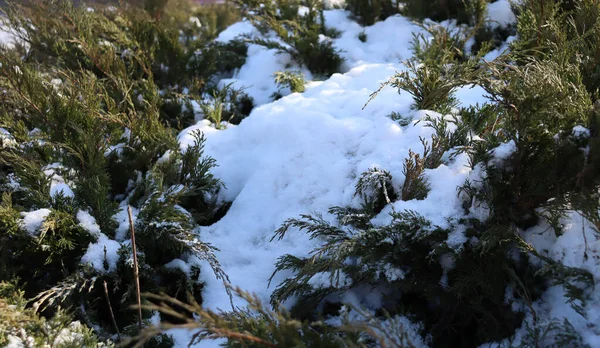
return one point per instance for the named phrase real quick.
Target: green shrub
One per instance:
(227, 105)
(440, 10)
(538, 100)
(21, 325)
(300, 33)
(532, 109)
(367, 12)
(291, 80)
(256, 325)
(563, 31)
(101, 89)
(294, 80)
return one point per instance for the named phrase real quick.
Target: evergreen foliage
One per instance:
(259, 326)
(300, 34)
(290, 80)
(294, 80)
(227, 105)
(532, 109)
(370, 11)
(439, 10)
(94, 104)
(21, 326)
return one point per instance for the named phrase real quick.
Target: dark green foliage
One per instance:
(299, 32)
(367, 12)
(532, 109)
(216, 18)
(26, 327)
(154, 53)
(439, 10)
(404, 257)
(294, 80)
(219, 58)
(539, 100)
(565, 32)
(227, 105)
(553, 333)
(106, 92)
(409, 258)
(415, 186)
(92, 101)
(290, 80)
(375, 183)
(259, 326)
(444, 141)
(431, 89)
(362, 36)
(433, 75)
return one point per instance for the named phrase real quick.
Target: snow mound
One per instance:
(304, 153)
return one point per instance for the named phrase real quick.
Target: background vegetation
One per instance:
(96, 99)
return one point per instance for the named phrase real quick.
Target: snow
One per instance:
(581, 132)
(236, 31)
(503, 152)
(578, 246)
(326, 279)
(60, 187)
(33, 220)
(6, 139)
(57, 184)
(6, 37)
(331, 4)
(500, 14)
(103, 250)
(304, 153)
(195, 21)
(88, 222)
(122, 217)
(257, 74)
(387, 41)
(179, 264)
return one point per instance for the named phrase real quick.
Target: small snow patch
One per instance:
(581, 132)
(88, 222)
(33, 220)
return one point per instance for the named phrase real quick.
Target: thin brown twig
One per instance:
(112, 315)
(135, 267)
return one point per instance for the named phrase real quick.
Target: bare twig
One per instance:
(135, 268)
(112, 315)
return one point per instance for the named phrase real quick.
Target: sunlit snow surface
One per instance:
(304, 153)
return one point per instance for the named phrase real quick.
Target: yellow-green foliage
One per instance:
(22, 326)
(97, 98)
(299, 32)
